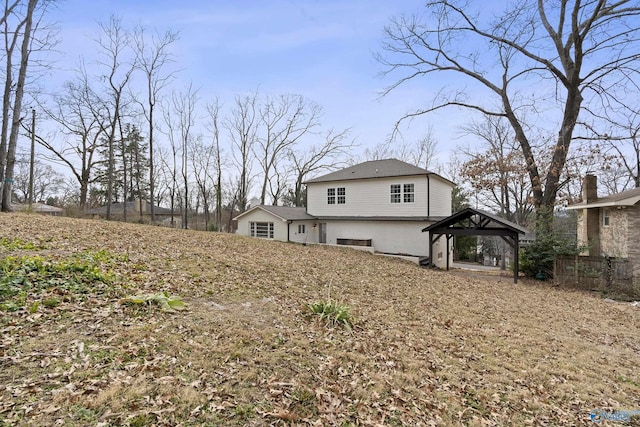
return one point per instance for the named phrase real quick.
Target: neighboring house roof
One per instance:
(483, 223)
(132, 207)
(38, 207)
(285, 213)
(625, 198)
(387, 168)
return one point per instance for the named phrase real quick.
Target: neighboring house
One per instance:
(40, 208)
(610, 225)
(137, 210)
(380, 205)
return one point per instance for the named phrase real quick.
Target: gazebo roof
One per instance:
(475, 222)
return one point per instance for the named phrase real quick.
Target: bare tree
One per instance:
(46, 181)
(536, 53)
(286, 119)
(8, 10)
(213, 111)
(243, 128)
(78, 112)
(7, 163)
(421, 153)
(203, 158)
(153, 57)
(279, 181)
(114, 43)
(168, 168)
(332, 154)
(618, 135)
(180, 119)
(494, 170)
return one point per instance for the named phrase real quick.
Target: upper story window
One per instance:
(606, 217)
(331, 196)
(396, 193)
(409, 194)
(341, 197)
(403, 193)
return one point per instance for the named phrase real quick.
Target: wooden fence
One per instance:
(613, 276)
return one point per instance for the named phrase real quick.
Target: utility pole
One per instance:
(32, 162)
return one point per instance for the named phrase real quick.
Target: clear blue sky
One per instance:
(322, 49)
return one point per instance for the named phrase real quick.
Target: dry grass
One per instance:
(427, 347)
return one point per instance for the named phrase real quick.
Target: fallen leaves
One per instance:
(428, 348)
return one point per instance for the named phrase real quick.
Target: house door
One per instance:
(323, 232)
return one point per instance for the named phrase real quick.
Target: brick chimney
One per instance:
(590, 189)
(591, 216)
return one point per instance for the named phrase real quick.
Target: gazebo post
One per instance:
(431, 248)
(447, 237)
(516, 258)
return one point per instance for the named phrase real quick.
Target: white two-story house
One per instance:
(380, 205)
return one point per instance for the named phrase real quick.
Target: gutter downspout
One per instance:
(288, 230)
(428, 196)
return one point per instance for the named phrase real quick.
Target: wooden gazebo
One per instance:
(474, 222)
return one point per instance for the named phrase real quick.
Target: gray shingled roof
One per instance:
(288, 213)
(284, 212)
(373, 169)
(625, 198)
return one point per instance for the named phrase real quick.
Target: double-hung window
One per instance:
(402, 193)
(341, 197)
(331, 196)
(261, 229)
(408, 195)
(396, 193)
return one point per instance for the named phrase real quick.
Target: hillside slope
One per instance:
(427, 347)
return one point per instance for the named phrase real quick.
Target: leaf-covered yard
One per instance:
(426, 347)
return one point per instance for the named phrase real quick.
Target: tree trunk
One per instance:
(17, 108)
(151, 177)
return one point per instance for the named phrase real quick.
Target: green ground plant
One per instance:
(162, 300)
(333, 313)
(26, 279)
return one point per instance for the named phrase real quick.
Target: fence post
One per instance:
(608, 273)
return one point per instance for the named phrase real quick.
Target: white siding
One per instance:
(440, 191)
(258, 215)
(372, 197)
(309, 236)
(395, 237)
(280, 227)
